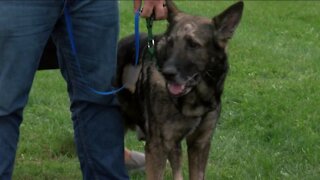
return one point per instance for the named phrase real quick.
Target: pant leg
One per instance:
(98, 126)
(24, 29)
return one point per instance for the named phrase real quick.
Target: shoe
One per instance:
(136, 161)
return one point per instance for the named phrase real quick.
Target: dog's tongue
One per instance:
(176, 89)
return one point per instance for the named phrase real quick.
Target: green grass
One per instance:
(269, 128)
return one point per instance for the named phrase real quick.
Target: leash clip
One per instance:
(151, 43)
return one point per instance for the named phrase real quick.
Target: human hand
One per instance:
(150, 6)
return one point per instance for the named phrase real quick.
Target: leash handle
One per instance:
(75, 54)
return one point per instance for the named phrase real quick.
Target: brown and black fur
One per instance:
(192, 53)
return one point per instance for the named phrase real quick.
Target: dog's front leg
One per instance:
(175, 158)
(199, 146)
(156, 158)
(197, 156)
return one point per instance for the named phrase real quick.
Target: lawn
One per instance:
(269, 128)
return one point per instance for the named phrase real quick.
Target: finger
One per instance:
(147, 11)
(136, 5)
(161, 12)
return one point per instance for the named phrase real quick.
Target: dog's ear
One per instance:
(172, 10)
(226, 23)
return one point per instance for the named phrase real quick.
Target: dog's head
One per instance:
(193, 48)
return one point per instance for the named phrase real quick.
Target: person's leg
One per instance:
(24, 29)
(98, 125)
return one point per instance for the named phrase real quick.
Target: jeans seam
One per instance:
(70, 76)
(85, 152)
(63, 7)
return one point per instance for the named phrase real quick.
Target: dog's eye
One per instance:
(193, 44)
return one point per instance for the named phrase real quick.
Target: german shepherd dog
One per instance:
(177, 94)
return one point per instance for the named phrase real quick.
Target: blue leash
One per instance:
(75, 54)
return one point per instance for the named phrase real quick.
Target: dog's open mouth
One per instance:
(176, 89)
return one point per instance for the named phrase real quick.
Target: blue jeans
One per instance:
(25, 27)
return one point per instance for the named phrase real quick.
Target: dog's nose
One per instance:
(169, 72)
